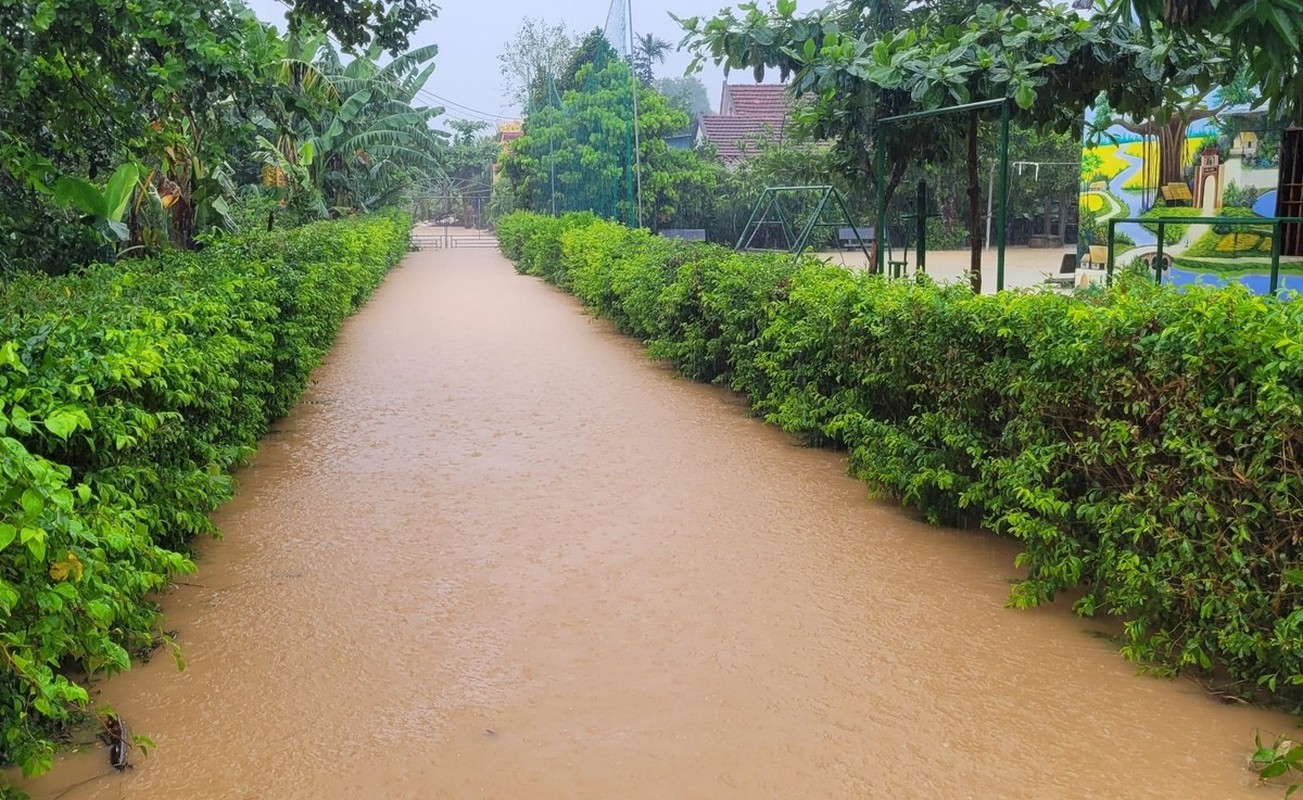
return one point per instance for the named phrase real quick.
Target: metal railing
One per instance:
(1162, 222)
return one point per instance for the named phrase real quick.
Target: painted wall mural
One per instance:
(1216, 156)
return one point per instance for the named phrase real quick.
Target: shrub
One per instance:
(1144, 445)
(127, 394)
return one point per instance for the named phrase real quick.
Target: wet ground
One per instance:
(497, 553)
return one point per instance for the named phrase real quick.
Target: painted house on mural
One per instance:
(1217, 156)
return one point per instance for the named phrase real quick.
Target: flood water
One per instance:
(497, 553)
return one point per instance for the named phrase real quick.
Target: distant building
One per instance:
(686, 138)
(508, 131)
(749, 114)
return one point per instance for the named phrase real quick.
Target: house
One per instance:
(748, 114)
(686, 138)
(507, 131)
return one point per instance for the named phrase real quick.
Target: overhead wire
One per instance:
(464, 110)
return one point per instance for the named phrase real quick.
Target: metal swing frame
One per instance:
(797, 242)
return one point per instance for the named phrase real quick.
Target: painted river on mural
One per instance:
(1257, 282)
(497, 552)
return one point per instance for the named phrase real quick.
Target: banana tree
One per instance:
(375, 142)
(103, 209)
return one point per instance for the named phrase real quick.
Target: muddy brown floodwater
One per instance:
(497, 553)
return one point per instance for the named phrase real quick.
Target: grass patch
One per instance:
(1171, 233)
(1233, 241)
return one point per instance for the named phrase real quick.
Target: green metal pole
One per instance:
(920, 244)
(1003, 218)
(782, 217)
(850, 221)
(1112, 235)
(1158, 257)
(1275, 258)
(879, 167)
(751, 219)
(809, 226)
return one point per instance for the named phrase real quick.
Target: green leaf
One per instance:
(7, 534)
(79, 193)
(9, 357)
(45, 15)
(33, 504)
(1294, 576)
(1273, 770)
(1024, 95)
(121, 188)
(63, 422)
(34, 539)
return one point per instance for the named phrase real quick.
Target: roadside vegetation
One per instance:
(191, 202)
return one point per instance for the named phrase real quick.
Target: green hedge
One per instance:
(1142, 444)
(127, 394)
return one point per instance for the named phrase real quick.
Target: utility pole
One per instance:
(633, 87)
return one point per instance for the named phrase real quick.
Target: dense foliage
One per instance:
(1145, 446)
(578, 150)
(219, 121)
(1265, 33)
(127, 394)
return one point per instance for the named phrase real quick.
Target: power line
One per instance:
(486, 116)
(462, 106)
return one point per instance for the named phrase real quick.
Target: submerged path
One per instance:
(497, 553)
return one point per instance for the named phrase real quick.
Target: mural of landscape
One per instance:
(1216, 157)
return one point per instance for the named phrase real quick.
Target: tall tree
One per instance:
(686, 94)
(538, 49)
(648, 50)
(375, 143)
(578, 151)
(360, 24)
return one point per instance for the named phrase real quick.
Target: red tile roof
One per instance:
(758, 101)
(748, 114)
(733, 137)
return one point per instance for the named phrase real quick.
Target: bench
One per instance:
(848, 238)
(1096, 257)
(686, 234)
(1067, 271)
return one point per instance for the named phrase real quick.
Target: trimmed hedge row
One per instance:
(127, 394)
(1145, 446)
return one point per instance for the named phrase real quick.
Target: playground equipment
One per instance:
(880, 168)
(796, 235)
(920, 218)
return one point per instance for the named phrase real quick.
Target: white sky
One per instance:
(470, 35)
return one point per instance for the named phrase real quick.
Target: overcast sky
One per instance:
(471, 33)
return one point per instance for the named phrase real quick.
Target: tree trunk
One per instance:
(1171, 137)
(974, 209)
(1171, 151)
